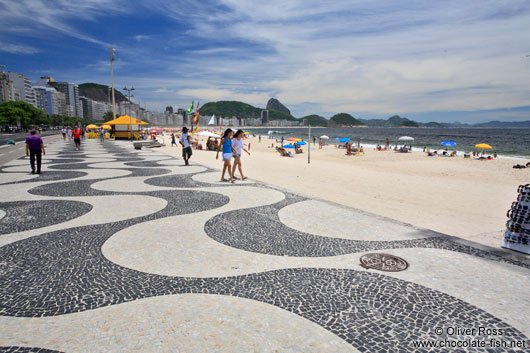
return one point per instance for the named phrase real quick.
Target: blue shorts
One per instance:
(227, 156)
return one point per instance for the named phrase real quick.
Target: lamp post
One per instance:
(112, 51)
(130, 119)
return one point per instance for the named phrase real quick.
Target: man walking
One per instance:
(77, 137)
(34, 148)
(186, 147)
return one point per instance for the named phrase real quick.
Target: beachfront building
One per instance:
(71, 95)
(283, 122)
(49, 100)
(253, 122)
(128, 108)
(93, 109)
(265, 117)
(23, 85)
(8, 92)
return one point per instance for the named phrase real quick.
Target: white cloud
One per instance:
(378, 57)
(17, 48)
(54, 15)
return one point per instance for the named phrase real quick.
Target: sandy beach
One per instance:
(460, 197)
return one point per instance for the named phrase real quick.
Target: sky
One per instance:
(466, 61)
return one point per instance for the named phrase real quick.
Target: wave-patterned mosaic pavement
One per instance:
(113, 249)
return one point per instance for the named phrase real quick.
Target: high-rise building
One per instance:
(45, 81)
(8, 92)
(169, 109)
(49, 99)
(93, 109)
(23, 84)
(86, 103)
(71, 94)
(264, 117)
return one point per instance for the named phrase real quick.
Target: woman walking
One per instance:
(238, 146)
(226, 142)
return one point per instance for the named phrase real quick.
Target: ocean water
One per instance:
(506, 142)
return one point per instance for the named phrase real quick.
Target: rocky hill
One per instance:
(240, 109)
(274, 104)
(99, 92)
(343, 119)
(315, 120)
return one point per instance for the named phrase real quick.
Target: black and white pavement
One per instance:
(112, 249)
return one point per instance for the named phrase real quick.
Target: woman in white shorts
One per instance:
(228, 151)
(238, 147)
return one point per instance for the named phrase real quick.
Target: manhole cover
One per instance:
(384, 262)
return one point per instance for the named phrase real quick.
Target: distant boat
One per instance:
(212, 120)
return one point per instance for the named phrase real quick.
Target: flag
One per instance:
(196, 113)
(191, 108)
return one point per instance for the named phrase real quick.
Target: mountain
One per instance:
(99, 92)
(240, 109)
(397, 121)
(274, 104)
(505, 124)
(393, 121)
(315, 120)
(344, 119)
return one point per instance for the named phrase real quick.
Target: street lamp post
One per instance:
(130, 118)
(112, 51)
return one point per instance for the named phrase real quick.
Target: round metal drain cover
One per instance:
(384, 262)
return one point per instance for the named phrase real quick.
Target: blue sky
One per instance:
(466, 61)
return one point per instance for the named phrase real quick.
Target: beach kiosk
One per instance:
(124, 126)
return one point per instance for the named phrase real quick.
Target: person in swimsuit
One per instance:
(228, 151)
(238, 146)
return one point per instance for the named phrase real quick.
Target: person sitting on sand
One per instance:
(494, 154)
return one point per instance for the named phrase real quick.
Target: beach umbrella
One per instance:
(290, 139)
(483, 146)
(344, 139)
(449, 143)
(106, 127)
(301, 143)
(288, 146)
(207, 134)
(406, 138)
(324, 137)
(297, 140)
(92, 126)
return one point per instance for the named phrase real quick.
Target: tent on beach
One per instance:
(125, 125)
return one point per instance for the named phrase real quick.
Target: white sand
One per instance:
(456, 196)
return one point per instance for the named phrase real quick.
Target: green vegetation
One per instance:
(344, 119)
(398, 121)
(24, 113)
(233, 108)
(99, 92)
(14, 112)
(315, 120)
